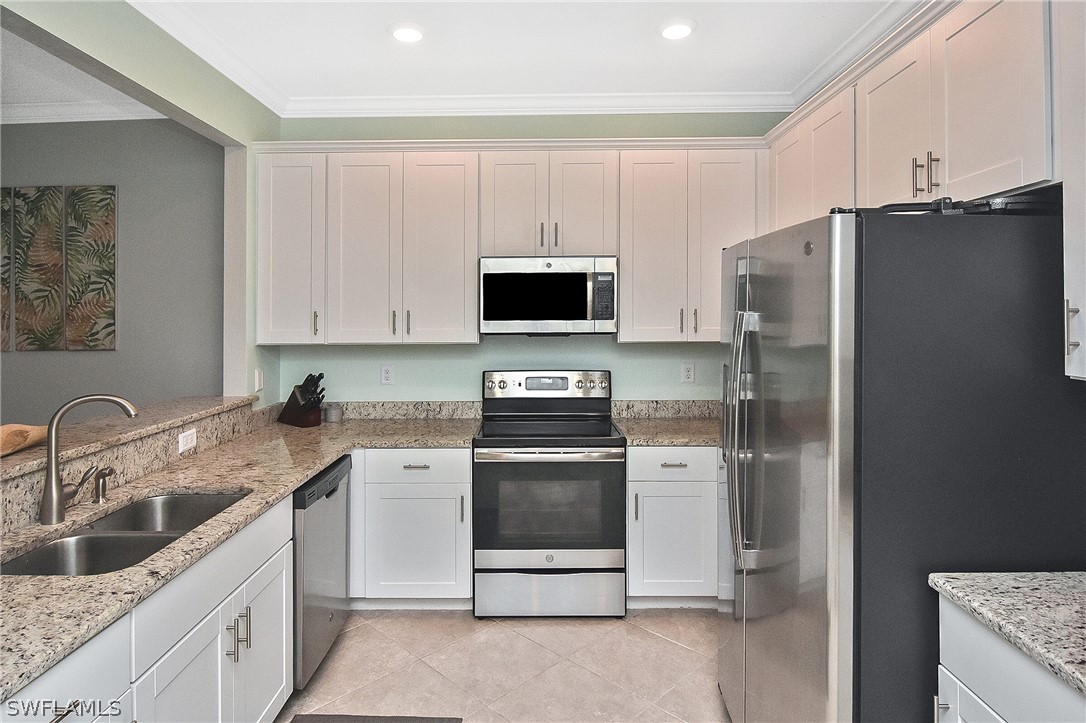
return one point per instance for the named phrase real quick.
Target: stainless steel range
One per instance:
(549, 496)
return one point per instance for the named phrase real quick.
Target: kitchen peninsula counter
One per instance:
(1043, 614)
(45, 618)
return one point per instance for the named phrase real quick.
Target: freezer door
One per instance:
(782, 475)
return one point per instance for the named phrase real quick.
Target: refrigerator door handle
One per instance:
(735, 513)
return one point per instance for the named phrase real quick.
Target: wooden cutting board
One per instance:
(14, 437)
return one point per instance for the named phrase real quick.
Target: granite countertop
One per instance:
(670, 431)
(45, 618)
(1043, 614)
(81, 438)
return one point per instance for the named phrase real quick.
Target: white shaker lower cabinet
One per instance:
(94, 678)
(418, 523)
(982, 677)
(216, 643)
(671, 526)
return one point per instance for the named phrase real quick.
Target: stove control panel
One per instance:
(546, 384)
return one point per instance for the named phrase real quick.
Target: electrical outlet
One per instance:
(258, 379)
(686, 372)
(387, 376)
(186, 441)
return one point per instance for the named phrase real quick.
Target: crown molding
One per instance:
(917, 23)
(517, 144)
(556, 104)
(73, 112)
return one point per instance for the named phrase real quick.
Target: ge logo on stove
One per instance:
(550, 558)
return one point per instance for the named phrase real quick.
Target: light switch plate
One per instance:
(186, 441)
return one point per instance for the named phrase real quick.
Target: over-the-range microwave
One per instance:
(548, 295)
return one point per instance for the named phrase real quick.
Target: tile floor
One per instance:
(654, 665)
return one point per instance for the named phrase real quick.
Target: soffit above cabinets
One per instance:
(36, 87)
(338, 59)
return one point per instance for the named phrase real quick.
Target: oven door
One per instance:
(549, 509)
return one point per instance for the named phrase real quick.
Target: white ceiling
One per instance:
(36, 87)
(319, 58)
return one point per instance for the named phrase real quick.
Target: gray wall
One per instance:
(169, 263)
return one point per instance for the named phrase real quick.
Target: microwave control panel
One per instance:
(603, 296)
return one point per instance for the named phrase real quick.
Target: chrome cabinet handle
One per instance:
(932, 183)
(916, 167)
(680, 321)
(555, 234)
(416, 466)
(409, 321)
(461, 508)
(695, 321)
(635, 506)
(680, 465)
(1068, 311)
(234, 654)
(938, 708)
(247, 616)
(66, 712)
(393, 322)
(314, 323)
(542, 233)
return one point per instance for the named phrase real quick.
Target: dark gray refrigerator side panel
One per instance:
(970, 438)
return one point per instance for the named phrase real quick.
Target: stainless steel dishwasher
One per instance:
(320, 566)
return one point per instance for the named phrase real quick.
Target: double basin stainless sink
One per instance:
(122, 538)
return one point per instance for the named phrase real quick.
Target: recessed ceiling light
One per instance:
(678, 29)
(406, 32)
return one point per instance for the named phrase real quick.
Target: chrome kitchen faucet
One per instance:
(56, 494)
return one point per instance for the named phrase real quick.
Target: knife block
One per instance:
(295, 415)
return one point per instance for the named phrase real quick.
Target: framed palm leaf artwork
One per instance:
(37, 229)
(5, 268)
(90, 254)
(58, 278)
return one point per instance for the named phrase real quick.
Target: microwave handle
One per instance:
(591, 293)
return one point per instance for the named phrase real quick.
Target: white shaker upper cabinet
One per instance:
(290, 248)
(548, 203)
(791, 168)
(991, 98)
(441, 247)
(722, 193)
(653, 246)
(365, 245)
(893, 129)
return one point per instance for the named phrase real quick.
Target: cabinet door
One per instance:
(513, 196)
(264, 675)
(418, 540)
(583, 203)
(790, 178)
(1069, 27)
(193, 682)
(365, 246)
(722, 212)
(672, 538)
(893, 126)
(441, 247)
(290, 248)
(653, 247)
(990, 85)
(833, 142)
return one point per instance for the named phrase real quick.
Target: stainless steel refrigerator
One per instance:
(894, 405)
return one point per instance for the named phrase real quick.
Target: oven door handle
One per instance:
(550, 455)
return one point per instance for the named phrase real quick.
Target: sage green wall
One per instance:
(645, 125)
(435, 372)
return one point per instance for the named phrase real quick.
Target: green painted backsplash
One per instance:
(438, 372)
(639, 125)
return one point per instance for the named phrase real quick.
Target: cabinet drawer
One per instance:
(418, 465)
(680, 464)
